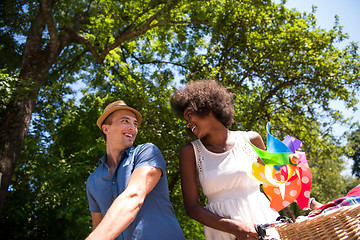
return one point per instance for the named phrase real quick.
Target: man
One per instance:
(128, 192)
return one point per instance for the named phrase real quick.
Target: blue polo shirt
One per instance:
(156, 218)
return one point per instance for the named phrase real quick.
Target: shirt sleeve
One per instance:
(149, 155)
(93, 206)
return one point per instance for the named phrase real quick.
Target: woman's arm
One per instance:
(198, 212)
(257, 141)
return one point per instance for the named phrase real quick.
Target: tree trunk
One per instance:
(14, 127)
(17, 116)
(36, 63)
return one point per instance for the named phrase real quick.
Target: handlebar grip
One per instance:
(260, 231)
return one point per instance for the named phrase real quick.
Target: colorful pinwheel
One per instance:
(286, 176)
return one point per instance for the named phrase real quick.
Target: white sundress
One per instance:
(229, 186)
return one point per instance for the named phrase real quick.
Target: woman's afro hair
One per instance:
(204, 96)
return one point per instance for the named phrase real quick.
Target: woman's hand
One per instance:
(245, 231)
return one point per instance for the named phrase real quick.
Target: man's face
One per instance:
(122, 131)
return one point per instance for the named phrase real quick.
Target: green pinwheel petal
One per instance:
(270, 158)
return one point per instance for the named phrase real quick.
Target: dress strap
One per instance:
(247, 148)
(199, 158)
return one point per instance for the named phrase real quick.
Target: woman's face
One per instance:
(196, 123)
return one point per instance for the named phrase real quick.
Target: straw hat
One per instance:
(112, 107)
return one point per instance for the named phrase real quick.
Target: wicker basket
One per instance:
(342, 223)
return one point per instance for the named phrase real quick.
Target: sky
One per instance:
(349, 18)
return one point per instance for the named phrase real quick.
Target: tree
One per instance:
(52, 183)
(58, 34)
(354, 150)
(280, 65)
(286, 70)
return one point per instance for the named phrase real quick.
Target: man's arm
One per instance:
(126, 206)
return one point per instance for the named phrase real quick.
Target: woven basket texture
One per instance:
(342, 223)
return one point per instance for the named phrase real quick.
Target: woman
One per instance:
(221, 160)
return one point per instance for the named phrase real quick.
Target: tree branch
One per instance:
(191, 22)
(46, 10)
(130, 32)
(153, 62)
(140, 15)
(79, 38)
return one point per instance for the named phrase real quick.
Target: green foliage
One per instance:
(7, 88)
(11, 87)
(354, 150)
(280, 65)
(284, 70)
(47, 200)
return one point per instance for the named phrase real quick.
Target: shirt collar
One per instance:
(124, 154)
